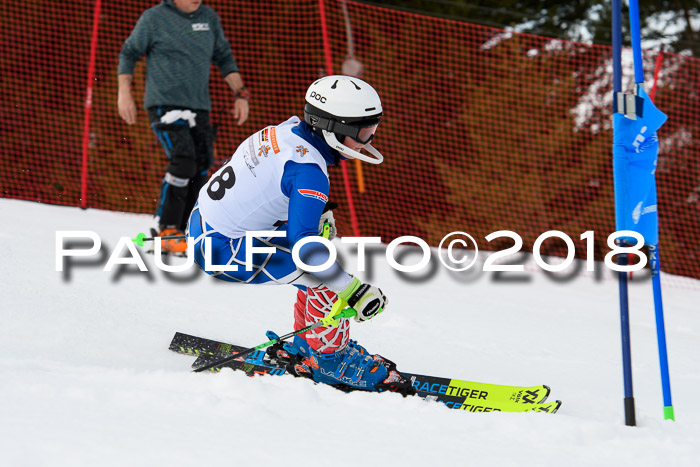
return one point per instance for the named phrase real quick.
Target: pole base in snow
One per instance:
(668, 413)
(629, 412)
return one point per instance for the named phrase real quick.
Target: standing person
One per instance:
(277, 180)
(180, 39)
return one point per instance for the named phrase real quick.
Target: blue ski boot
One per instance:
(352, 367)
(289, 355)
(349, 369)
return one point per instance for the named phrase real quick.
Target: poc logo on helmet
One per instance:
(318, 97)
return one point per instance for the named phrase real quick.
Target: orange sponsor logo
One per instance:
(273, 140)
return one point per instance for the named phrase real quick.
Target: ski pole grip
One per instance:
(348, 313)
(340, 310)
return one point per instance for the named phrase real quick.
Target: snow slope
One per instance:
(86, 378)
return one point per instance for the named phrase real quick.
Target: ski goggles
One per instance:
(362, 134)
(365, 134)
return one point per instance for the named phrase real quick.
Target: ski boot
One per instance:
(395, 381)
(173, 246)
(351, 368)
(285, 355)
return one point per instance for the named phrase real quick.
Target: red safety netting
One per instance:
(484, 130)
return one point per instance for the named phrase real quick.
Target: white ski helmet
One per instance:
(339, 106)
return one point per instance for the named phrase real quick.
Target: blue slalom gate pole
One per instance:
(617, 48)
(653, 248)
(636, 39)
(655, 264)
(630, 419)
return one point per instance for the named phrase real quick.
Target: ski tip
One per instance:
(556, 406)
(547, 390)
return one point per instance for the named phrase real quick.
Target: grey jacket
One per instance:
(179, 50)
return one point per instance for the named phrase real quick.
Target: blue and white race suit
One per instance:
(277, 180)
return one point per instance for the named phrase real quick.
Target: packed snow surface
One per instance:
(86, 377)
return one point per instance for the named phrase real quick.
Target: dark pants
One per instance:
(190, 152)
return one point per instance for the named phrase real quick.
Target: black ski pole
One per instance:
(141, 237)
(329, 320)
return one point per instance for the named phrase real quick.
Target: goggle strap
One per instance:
(338, 146)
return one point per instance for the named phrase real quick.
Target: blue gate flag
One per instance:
(635, 151)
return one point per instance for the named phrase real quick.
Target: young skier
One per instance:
(277, 180)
